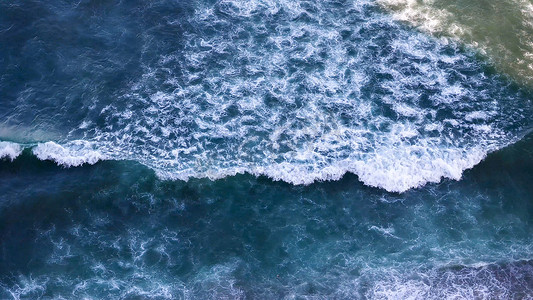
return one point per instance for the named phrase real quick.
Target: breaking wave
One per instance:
(9, 150)
(299, 91)
(75, 154)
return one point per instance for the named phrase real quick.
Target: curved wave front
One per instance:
(393, 176)
(298, 91)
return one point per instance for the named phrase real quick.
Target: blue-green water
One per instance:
(256, 149)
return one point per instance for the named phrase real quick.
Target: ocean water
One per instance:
(275, 149)
(499, 30)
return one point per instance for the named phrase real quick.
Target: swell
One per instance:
(455, 239)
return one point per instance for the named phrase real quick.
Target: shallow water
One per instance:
(256, 149)
(500, 30)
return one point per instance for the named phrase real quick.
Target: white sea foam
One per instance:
(393, 170)
(420, 13)
(309, 101)
(323, 90)
(487, 282)
(10, 150)
(72, 154)
(501, 30)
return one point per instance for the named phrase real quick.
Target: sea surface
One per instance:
(266, 149)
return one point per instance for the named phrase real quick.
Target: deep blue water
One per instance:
(256, 149)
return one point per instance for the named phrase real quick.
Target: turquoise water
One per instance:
(256, 149)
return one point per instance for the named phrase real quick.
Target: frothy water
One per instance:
(298, 91)
(9, 150)
(490, 281)
(75, 154)
(113, 230)
(500, 30)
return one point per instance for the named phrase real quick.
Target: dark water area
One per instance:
(115, 230)
(256, 150)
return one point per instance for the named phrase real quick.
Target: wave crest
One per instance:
(75, 154)
(299, 91)
(10, 150)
